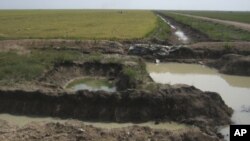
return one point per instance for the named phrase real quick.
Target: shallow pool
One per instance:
(91, 84)
(235, 90)
(24, 120)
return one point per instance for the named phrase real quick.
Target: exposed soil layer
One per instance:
(210, 54)
(194, 53)
(232, 64)
(75, 131)
(130, 103)
(193, 34)
(138, 98)
(86, 46)
(183, 104)
(61, 73)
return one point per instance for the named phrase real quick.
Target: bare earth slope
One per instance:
(240, 25)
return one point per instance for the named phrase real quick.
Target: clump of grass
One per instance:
(227, 46)
(136, 73)
(130, 72)
(161, 32)
(15, 67)
(93, 57)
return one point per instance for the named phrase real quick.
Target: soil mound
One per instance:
(233, 64)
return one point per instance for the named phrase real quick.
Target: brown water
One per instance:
(23, 120)
(235, 90)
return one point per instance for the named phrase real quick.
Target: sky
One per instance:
(227, 5)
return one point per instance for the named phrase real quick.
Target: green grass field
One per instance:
(76, 24)
(15, 67)
(217, 32)
(231, 16)
(19, 68)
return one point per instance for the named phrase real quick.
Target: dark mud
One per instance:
(183, 104)
(232, 64)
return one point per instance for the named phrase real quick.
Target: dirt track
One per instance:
(240, 25)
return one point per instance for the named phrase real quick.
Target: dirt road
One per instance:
(240, 25)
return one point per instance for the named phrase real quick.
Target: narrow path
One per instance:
(240, 25)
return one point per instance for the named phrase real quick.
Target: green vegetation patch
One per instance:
(18, 68)
(217, 32)
(162, 31)
(76, 24)
(243, 17)
(15, 67)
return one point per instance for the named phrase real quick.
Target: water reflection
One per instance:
(179, 33)
(235, 90)
(91, 84)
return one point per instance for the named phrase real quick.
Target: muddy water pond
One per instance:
(91, 84)
(24, 120)
(235, 90)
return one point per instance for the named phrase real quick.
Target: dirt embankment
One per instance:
(84, 46)
(130, 103)
(232, 64)
(74, 131)
(210, 54)
(194, 53)
(183, 104)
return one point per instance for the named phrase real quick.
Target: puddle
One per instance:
(91, 84)
(179, 33)
(23, 120)
(235, 90)
(181, 36)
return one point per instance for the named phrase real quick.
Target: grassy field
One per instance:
(76, 24)
(162, 31)
(214, 31)
(243, 17)
(16, 68)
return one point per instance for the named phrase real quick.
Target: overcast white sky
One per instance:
(234, 5)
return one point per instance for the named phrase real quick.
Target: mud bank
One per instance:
(232, 64)
(215, 55)
(84, 46)
(119, 72)
(138, 98)
(78, 131)
(184, 104)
